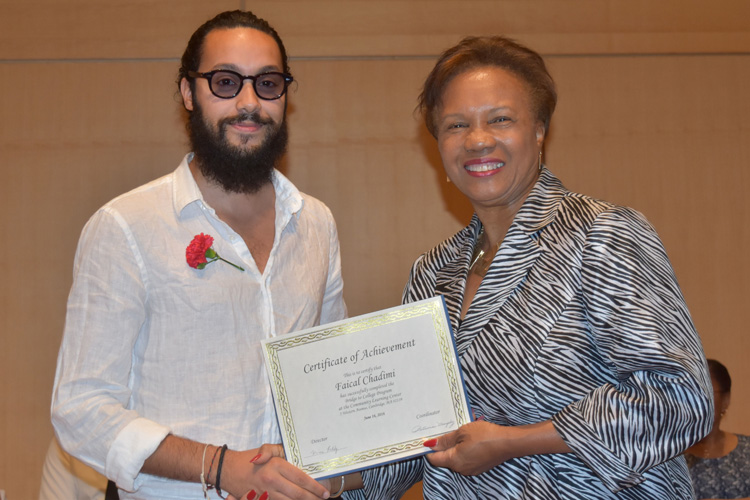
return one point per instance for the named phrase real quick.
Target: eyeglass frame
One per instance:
(254, 78)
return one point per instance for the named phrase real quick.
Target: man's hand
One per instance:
(263, 470)
(266, 471)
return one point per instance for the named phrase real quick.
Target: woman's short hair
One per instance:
(480, 51)
(720, 374)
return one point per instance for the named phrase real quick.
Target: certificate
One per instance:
(368, 390)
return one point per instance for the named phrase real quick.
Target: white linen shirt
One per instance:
(153, 346)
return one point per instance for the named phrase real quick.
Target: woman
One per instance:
(582, 365)
(720, 462)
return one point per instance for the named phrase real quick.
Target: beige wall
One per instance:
(652, 114)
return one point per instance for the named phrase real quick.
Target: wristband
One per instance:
(218, 472)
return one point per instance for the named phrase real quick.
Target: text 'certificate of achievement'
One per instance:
(368, 390)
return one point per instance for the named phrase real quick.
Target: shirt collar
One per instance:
(288, 198)
(185, 189)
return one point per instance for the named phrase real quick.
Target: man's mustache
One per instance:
(247, 117)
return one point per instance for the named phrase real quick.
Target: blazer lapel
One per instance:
(512, 263)
(450, 280)
(509, 269)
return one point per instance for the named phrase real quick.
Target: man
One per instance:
(176, 283)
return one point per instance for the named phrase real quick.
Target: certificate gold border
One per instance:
(434, 308)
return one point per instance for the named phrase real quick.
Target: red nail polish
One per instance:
(251, 495)
(430, 442)
(256, 457)
(264, 496)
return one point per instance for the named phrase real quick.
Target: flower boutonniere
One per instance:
(199, 252)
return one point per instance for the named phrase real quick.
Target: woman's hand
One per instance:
(267, 452)
(470, 450)
(478, 446)
(250, 495)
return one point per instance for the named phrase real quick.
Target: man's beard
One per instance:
(235, 169)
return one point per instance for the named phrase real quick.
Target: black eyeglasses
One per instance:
(226, 84)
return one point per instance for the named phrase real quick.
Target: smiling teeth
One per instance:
(484, 167)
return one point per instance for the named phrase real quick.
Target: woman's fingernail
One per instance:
(430, 442)
(264, 496)
(251, 495)
(256, 457)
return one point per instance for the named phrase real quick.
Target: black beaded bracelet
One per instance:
(218, 471)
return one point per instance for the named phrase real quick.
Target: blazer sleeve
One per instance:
(660, 402)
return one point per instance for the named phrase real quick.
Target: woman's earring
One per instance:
(540, 160)
(447, 179)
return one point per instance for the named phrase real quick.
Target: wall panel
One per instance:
(92, 29)
(75, 29)
(336, 28)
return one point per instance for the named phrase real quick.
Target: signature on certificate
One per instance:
(330, 449)
(439, 425)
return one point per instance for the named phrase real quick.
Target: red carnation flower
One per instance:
(199, 252)
(196, 251)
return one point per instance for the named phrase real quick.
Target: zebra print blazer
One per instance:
(579, 320)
